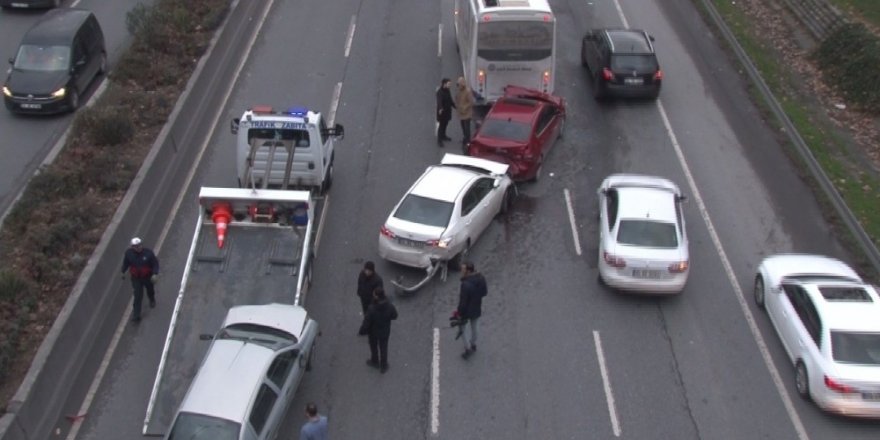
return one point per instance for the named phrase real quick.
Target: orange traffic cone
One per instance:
(222, 214)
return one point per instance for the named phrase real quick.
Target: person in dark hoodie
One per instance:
(377, 326)
(445, 104)
(470, 304)
(368, 281)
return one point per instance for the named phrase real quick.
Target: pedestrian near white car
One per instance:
(828, 320)
(643, 245)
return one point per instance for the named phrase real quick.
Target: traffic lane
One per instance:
(121, 402)
(772, 210)
(28, 139)
(387, 108)
(536, 373)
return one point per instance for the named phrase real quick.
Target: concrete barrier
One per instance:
(95, 302)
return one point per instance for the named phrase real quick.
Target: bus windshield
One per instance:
(515, 40)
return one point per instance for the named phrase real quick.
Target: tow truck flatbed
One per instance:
(266, 258)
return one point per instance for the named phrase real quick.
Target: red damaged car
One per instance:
(519, 130)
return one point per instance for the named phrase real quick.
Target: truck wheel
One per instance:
(328, 179)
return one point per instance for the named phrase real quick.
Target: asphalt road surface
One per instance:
(560, 356)
(27, 140)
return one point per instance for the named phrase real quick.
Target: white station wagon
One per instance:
(249, 375)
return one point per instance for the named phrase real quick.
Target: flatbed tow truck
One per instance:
(252, 245)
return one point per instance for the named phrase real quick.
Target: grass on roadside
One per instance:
(860, 189)
(868, 10)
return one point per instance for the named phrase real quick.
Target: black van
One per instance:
(57, 60)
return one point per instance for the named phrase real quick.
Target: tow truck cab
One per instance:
(286, 149)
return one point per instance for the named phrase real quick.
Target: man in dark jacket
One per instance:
(470, 304)
(368, 281)
(445, 104)
(143, 266)
(377, 325)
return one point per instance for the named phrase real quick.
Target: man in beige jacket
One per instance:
(464, 105)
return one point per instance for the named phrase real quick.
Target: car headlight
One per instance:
(7, 92)
(59, 93)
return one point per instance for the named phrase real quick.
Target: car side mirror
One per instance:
(233, 125)
(651, 37)
(496, 183)
(681, 198)
(339, 130)
(12, 61)
(206, 337)
(589, 36)
(295, 352)
(602, 191)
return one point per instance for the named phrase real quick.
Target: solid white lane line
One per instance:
(606, 382)
(348, 40)
(435, 384)
(334, 104)
(440, 40)
(731, 277)
(574, 232)
(728, 268)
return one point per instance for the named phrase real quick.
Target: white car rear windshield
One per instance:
(647, 233)
(424, 211)
(271, 338)
(855, 348)
(189, 426)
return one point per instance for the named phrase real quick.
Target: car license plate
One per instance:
(32, 106)
(410, 243)
(646, 273)
(633, 81)
(871, 396)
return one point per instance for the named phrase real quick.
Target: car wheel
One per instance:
(540, 168)
(759, 291)
(598, 92)
(505, 203)
(102, 69)
(802, 380)
(73, 100)
(309, 359)
(455, 262)
(561, 129)
(328, 179)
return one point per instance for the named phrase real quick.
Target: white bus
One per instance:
(505, 42)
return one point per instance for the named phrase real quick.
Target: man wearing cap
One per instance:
(143, 266)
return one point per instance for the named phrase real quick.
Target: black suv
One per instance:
(621, 62)
(58, 58)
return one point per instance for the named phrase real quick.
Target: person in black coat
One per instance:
(368, 281)
(377, 326)
(143, 267)
(470, 305)
(445, 104)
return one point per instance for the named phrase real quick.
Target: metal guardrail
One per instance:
(846, 215)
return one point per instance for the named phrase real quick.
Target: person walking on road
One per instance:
(464, 104)
(377, 326)
(368, 281)
(143, 267)
(445, 104)
(470, 304)
(316, 426)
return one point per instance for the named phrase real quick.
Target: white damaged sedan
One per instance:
(445, 211)
(643, 246)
